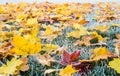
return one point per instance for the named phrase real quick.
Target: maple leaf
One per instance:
(101, 53)
(49, 47)
(10, 67)
(67, 71)
(69, 58)
(31, 22)
(115, 64)
(45, 59)
(77, 33)
(26, 45)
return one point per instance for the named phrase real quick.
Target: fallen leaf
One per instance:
(69, 58)
(103, 28)
(45, 59)
(83, 21)
(10, 67)
(101, 53)
(24, 66)
(51, 70)
(83, 66)
(49, 47)
(115, 64)
(78, 33)
(67, 71)
(85, 40)
(96, 35)
(27, 45)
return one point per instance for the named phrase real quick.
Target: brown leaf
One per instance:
(24, 67)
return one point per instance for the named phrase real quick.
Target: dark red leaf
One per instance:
(83, 67)
(69, 58)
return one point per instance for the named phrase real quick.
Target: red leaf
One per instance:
(74, 55)
(69, 58)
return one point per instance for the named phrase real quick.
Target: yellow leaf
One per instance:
(116, 25)
(21, 16)
(96, 35)
(1, 10)
(31, 22)
(49, 47)
(26, 45)
(115, 64)
(67, 71)
(10, 67)
(78, 33)
(101, 53)
(48, 31)
(102, 28)
(77, 26)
